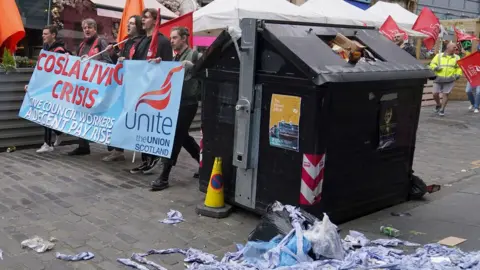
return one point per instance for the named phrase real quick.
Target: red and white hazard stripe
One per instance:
(201, 149)
(312, 179)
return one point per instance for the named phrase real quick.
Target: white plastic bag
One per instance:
(325, 239)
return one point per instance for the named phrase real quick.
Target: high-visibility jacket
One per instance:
(448, 64)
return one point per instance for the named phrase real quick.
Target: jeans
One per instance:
(48, 135)
(474, 100)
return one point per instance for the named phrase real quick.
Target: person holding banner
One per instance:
(188, 107)
(91, 45)
(51, 44)
(445, 65)
(135, 34)
(466, 46)
(153, 47)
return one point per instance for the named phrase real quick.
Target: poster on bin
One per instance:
(387, 121)
(133, 105)
(284, 122)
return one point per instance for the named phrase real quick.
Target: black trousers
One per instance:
(48, 135)
(183, 139)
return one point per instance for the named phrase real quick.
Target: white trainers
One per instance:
(476, 111)
(45, 148)
(58, 140)
(114, 156)
(470, 108)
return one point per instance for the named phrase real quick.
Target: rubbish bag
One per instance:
(325, 240)
(277, 221)
(418, 189)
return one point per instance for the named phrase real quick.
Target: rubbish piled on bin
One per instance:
(312, 244)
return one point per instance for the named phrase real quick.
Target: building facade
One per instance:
(452, 9)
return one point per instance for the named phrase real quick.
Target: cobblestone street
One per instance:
(90, 205)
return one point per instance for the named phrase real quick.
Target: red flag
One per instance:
(471, 68)
(184, 21)
(152, 50)
(132, 7)
(428, 24)
(461, 36)
(390, 29)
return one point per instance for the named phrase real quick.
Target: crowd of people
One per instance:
(140, 31)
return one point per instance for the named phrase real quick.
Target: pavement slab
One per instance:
(90, 205)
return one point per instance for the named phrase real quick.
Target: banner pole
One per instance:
(97, 54)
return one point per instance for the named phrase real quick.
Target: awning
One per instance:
(120, 4)
(109, 13)
(203, 41)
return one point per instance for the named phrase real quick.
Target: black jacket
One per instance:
(410, 49)
(164, 49)
(125, 52)
(101, 45)
(58, 46)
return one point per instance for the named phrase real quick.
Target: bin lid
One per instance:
(305, 46)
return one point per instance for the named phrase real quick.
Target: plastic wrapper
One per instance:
(325, 240)
(278, 221)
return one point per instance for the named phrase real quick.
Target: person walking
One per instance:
(164, 52)
(188, 107)
(135, 34)
(91, 45)
(446, 68)
(52, 44)
(465, 48)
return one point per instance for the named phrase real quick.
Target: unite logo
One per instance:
(166, 88)
(154, 123)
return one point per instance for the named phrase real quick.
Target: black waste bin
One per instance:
(296, 123)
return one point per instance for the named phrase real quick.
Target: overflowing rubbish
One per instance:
(173, 217)
(38, 244)
(418, 188)
(11, 149)
(278, 221)
(451, 241)
(83, 256)
(316, 245)
(389, 231)
(433, 188)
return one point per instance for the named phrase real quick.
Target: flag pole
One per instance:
(97, 54)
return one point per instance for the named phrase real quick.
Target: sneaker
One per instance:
(441, 113)
(152, 167)
(58, 140)
(475, 111)
(79, 152)
(139, 169)
(45, 148)
(114, 156)
(470, 108)
(437, 109)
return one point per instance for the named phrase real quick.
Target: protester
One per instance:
(465, 48)
(164, 52)
(446, 68)
(188, 107)
(52, 44)
(399, 40)
(91, 45)
(135, 34)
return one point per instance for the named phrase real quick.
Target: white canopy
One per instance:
(221, 14)
(401, 16)
(120, 4)
(336, 10)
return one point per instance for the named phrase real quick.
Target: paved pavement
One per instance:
(89, 205)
